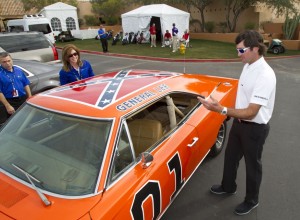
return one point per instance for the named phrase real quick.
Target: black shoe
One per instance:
(244, 208)
(218, 189)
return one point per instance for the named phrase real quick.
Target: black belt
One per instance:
(247, 122)
(16, 98)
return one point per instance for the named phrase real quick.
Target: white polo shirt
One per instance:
(257, 85)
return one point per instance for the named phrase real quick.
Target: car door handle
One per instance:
(195, 139)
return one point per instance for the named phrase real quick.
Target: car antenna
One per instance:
(184, 63)
(29, 177)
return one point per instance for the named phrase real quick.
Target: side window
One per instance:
(16, 28)
(44, 28)
(70, 22)
(56, 24)
(155, 121)
(123, 156)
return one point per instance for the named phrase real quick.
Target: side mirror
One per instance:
(146, 159)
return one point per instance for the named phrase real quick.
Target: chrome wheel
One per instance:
(220, 140)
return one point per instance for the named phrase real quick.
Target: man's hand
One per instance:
(10, 110)
(211, 104)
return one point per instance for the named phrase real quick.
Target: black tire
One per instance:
(220, 140)
(276, 50)
(282, 49)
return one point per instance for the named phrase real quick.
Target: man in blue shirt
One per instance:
(103, 38)
(14, 87)
(175, 38)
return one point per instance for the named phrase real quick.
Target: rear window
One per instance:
(45, 28)
(17, 43)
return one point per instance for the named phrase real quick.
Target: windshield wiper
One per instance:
(30, 178)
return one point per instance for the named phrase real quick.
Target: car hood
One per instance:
(18, 201)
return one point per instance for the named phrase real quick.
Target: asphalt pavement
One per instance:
(279, 196)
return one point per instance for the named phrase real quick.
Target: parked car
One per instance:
(42, 76)
(116, 146)
(28, 46)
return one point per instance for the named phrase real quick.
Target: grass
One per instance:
(201, 49)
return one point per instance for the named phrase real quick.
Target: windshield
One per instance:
(64, 153)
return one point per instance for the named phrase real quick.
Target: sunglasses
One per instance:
(242, 50)
(73, 54)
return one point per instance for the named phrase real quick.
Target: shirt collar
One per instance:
(256, 63)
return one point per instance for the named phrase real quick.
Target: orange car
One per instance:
(117, 146)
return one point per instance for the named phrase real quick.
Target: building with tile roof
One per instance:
(12, 9)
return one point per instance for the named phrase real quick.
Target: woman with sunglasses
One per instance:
(74, 68)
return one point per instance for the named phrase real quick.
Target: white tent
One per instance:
(139, 19)
(61, 16)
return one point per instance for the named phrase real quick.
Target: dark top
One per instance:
(85, 71)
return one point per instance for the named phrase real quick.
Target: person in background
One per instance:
(153, 35)
(103, 38)
(186, 38)
(167, 39)
(175, 38)
(14, 87)
(74, 68)
(252, 112)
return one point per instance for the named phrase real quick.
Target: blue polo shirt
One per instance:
(174, 31)
(102, 33)
(13, 80)
(85, 71)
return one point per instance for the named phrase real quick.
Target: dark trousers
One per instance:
(245, 140)
(14, 102)
(104, 44)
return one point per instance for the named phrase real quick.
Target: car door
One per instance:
(143, 189)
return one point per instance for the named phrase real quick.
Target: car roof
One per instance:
(115, 94)
(19, 33)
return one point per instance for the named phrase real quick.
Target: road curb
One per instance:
(174, 60)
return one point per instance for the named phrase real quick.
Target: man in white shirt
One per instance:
(253, 110)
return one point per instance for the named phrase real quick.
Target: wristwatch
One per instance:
(224, 111)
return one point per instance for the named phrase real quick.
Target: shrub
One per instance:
(209, 26)
(91, 20)
(80, 22)
(223, 26)
(290, 26)
(249, 26)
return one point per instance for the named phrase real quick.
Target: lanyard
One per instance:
(12, 79)
(77, 73)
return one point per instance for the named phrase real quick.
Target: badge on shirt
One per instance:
(15, 93)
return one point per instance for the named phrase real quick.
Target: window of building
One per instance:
(56, 24)
(70, 23)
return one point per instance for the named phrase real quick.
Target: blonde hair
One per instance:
(66, 51)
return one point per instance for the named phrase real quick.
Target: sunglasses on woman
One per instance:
(73, 54)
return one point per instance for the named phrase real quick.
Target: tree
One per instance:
(200, 5)
(234, 10)
(236, 7)
(282, 6)
(109, 9)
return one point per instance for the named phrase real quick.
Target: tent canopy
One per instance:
(139, 19)
(62, 12)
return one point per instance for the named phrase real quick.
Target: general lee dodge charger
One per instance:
(117, 146)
